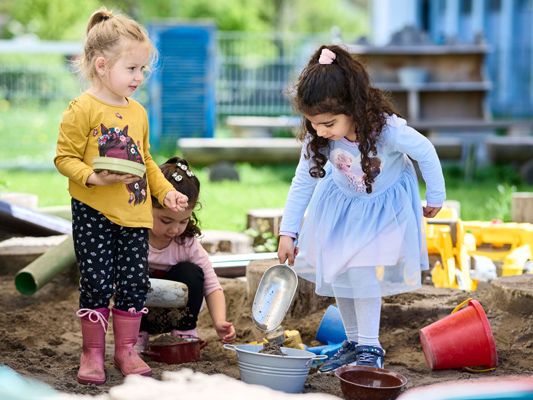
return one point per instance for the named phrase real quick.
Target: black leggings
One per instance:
(113, 260)
(162, 320)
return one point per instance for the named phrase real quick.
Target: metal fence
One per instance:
(254, 74)
(40, 84)
(255, 71)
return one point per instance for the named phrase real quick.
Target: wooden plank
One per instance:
(273, 151)
(260, 126)
(25, 221)
(234, 265)
(513, 149)
(418, 49)
(252, 150)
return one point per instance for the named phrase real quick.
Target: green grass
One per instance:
(29, 135)
(225, 204)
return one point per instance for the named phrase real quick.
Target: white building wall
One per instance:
(390, 16)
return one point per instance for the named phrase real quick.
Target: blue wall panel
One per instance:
(182, 86)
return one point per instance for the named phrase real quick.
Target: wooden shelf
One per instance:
(437, 87)
(455, 90)
(418, 49)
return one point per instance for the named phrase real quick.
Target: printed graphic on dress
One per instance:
(350, 166)
(115, 142)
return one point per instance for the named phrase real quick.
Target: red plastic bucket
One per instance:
(462, 339)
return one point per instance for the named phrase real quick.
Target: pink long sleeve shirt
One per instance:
(191, 251)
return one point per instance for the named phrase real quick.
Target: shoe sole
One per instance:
(145, 373)
(83, 381)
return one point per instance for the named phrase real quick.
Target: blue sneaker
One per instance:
(370, 356)
(346, 355)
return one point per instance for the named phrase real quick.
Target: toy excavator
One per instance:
(466, 252)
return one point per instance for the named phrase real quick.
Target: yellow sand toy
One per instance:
(457, 243)
(507, 244)
(287, 338)
(447, 239)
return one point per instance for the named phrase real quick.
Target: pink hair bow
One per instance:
(326, 56)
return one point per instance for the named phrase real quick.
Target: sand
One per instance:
(40, 335)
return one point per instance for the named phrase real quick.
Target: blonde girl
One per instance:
(111, 212)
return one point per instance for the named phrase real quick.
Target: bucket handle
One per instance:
(470, 369)
(229, 346)
(461, 305)
(316, 358)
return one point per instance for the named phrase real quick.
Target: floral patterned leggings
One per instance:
(113, 260)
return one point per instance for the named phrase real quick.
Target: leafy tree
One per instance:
(66, 19)
(50, 19)
(256, 15)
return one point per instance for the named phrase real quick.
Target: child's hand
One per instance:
(176, 201)
(286, 250)
(105, 177)
(225, 331)
(430, 212)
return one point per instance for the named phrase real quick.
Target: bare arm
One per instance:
(216, 304)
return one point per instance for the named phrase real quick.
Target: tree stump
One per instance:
(265, 220)
(513, 294)
(305, 301)
(226, 242)
(522, 207)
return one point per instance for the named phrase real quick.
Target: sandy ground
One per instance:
(40, 336)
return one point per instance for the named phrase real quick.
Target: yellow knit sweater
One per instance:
(91, 128)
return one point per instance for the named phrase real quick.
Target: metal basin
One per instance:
(274, 296)
(286, 372)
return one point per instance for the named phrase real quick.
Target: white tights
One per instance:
(361, 319)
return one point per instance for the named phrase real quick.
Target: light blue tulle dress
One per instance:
(358, 245)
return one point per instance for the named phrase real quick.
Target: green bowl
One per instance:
(119, 166)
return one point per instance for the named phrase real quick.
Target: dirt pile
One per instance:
(40, 335)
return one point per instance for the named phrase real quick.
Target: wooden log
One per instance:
(264, 220)
(305, 301)
(167, 294)
(522, 207)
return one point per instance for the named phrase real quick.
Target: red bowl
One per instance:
(176, 353)
(359, 382)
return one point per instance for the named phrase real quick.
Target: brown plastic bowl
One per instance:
(176, 353)
(359, 382)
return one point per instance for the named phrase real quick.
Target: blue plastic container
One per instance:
(331, 329)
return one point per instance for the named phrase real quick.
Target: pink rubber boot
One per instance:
(142, 342)
(93, 329)
(126, 326)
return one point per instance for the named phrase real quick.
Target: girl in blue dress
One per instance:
(354, 205)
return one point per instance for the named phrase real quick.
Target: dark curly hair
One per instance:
(342, 87)
(189, 185)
